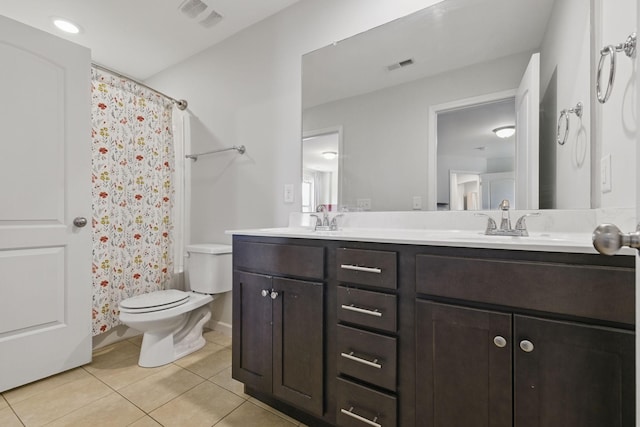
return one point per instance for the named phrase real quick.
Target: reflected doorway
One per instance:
(321, 153)
(474, 165)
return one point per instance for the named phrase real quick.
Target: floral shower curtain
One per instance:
(133, 193)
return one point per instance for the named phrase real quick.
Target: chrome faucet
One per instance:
(505, 223)
(325, 224)
(325, 218)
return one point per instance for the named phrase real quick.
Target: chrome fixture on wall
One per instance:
(240, 149)
(629, 48)
(577, 110)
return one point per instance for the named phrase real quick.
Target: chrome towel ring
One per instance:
(629, 48)
(565, 114)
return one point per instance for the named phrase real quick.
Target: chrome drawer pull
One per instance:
(360, 418)
(358, 268)
(350, 356)
(361, 310)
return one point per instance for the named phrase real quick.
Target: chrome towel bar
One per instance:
(240, 149)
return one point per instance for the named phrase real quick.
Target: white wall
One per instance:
(247, 91)
(617, 119)
(387, 131)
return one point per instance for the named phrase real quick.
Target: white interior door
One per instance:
(45, 261)
(527, 136)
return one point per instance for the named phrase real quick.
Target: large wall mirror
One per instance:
(418, 102)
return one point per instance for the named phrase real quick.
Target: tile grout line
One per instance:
(12, 410)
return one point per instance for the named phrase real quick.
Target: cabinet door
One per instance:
(297, 343)
(463, 370)
(252, 346)
(573, 375)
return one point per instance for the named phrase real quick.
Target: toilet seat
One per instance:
(154, 301)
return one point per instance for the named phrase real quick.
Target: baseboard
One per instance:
(222, 327)
(114, 335)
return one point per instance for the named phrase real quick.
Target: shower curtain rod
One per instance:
(180, 103)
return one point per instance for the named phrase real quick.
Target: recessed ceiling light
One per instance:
(329, 155)
(66, 26)
(505, 131)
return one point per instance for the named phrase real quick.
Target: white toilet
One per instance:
(172, 320)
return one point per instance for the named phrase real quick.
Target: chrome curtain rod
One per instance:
(180, 103)
(240, 149)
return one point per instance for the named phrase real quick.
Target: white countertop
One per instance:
(430, 228)
(546, 242)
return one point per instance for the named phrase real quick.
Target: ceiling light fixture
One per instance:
(66, 26)
(505, 131)
(329, 155)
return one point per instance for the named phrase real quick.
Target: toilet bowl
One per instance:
(172, 320)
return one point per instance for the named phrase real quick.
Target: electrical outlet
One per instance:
(605, 174)
(288, 193)
(417, 203)
(364, 204)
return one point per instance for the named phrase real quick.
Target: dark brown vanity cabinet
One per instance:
(505, 367)
(278, 332)
(363, 334)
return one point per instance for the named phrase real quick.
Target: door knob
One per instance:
(274, 295)
(264, 292)
(608, 239)
(80, 221)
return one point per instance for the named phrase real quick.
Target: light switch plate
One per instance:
(288, 193)
(605, 174)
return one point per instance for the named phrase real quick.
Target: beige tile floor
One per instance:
(113, 390)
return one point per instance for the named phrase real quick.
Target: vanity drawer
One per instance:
(367, 356)
(367, 308)
(277, 259)
(606, 293)
(359, 406)
(365, 267)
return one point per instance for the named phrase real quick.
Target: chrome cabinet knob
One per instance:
(264, 292)
(499, 341)
(274, 295)
(526, 346)
(80, 221)
(608, 239)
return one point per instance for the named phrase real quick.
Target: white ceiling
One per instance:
(140, 38)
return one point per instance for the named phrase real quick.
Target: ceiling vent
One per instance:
(400, 64)
(192, 8)
(195, 9)
(211, 20)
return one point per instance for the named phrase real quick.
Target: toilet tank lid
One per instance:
(209, 248)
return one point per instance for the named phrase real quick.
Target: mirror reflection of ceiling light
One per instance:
(66, 26)
(505, 131)
(329, 155)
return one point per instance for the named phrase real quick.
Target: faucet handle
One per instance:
(491, 224)
(334, 221)
(521, 224)
(318, 220)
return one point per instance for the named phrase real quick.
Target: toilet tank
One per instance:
(208, 268)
